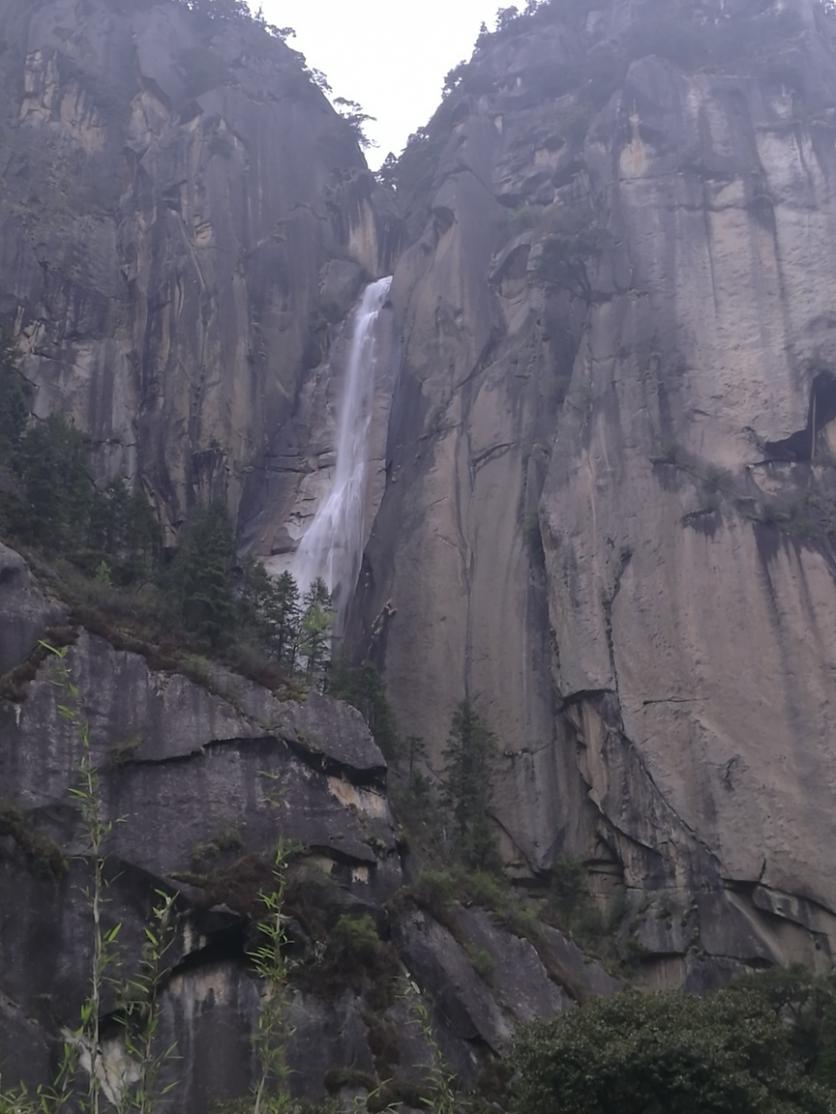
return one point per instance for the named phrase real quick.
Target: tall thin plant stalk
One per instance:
(272, 1095)
(88, 795)
(440, 1078)
(139, 996)
(140, 1011)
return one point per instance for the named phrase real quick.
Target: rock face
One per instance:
(200, 785)
(612, 519)
(183, 217)
(604, 486)
(200, 781)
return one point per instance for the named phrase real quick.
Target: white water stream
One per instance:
(332, 546)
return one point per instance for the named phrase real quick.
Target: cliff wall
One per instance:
(611, 509)
(603, 452)
(183, 218)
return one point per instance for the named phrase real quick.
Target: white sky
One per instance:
(390, 55)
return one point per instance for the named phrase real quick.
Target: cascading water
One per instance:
(332, 546)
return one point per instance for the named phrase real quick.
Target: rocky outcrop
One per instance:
(24, 613)
(610, 519)
(184, 218)
(200, 786)
(200, 782)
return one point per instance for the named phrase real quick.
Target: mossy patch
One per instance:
(42, 852)
(240, 885)
(14, 685)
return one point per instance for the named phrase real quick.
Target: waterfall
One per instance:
(332, 546)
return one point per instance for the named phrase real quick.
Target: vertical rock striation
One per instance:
(613, 519)
(176, 194)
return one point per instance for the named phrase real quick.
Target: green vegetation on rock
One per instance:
(200, 578)
(362, 687)
(14, 409)
(467, 787)
(757, 1047)
(101, 550)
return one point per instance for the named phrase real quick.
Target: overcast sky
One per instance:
(390, 55)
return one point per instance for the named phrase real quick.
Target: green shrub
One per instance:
(487, 889)
(521, 919)
(225, 842)
(482, 960)
(356, 940)
(436, 890)
(14, 401)
(567, 886)
(337, 1079)
(728, 1053)
(594, 926)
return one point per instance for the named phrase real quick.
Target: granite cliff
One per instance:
(610, 512)
(601, 505)
(183, 215)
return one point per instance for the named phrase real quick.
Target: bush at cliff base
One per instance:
(764, 1046)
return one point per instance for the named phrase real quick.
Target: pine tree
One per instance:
(467, 787)
(418, 784)
(124, 534)
(270, 610)
(315, 635)
(14, 410)
(288, 618)
(51, 461)
(416, 758)
(388, 173)
(256, 589)
(143, 541)
(356, 118)
(200, 580)
(50, 500)
(362, 687)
